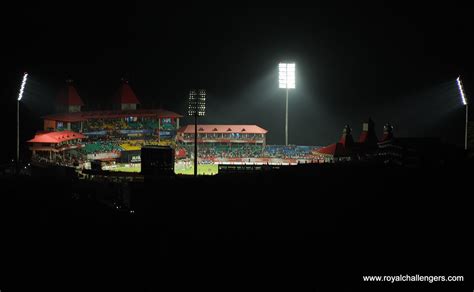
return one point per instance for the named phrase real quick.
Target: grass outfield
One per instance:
(203, 169)
(127, 169)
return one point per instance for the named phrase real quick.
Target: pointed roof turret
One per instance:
(346, 138)
(387, 132)
(125, 94)
(368, 135)
(68, 95)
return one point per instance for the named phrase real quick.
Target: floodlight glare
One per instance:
(286, 75)
(461, 91)
(22, 88)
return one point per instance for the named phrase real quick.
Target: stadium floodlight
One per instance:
(196, 108)
(286, 75)
(197, 103)
(464, 101)
(287, 80)
(20, 96)
(461, 91)
(22, 87)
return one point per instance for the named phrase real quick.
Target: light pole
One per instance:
(196, 108)
(286, 73)
(20, 96)
(464, 101)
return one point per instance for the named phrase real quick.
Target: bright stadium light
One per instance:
(22, 87)
(20, 96)
(197, 103)
(464, 101)
(196, 108)
(287, 80)
(286, 75)
(461, 91)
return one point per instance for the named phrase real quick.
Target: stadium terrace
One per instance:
(74, 137)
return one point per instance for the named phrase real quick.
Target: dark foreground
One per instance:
(308, 229)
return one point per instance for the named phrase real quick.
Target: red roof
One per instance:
(209, 129)
(69, 95)
(115, 114)
(125, 94)
(336, 149)
(56, 137)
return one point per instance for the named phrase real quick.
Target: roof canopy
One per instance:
(114, 114)
(209, 129)
(56, 137)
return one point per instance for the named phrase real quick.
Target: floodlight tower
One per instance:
(286, 80)
(20, 96)
(464, 101)
(196, 108)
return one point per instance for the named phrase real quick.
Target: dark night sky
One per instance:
(393, 63)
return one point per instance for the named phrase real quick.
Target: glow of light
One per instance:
(22, 88)
(286, 75)
(461, 91)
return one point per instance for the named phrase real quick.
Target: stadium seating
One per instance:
(118, 124)
(150, 124)
(97, 147)
(251, 150)
(281, 151)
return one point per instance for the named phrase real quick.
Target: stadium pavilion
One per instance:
(56, 146)
(224, 140)
(115, 134)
